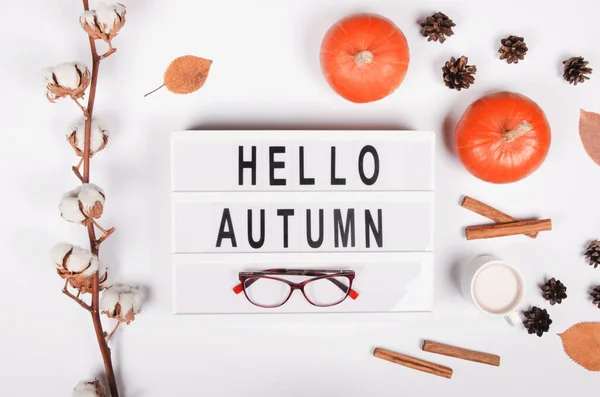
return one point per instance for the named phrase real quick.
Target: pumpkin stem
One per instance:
(523, 128)
(363, 58)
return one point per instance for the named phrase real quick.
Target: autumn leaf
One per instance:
(582, 343)
(185, 75)
(589, 131)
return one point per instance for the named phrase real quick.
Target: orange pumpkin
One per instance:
(502, 137)
(364, 57)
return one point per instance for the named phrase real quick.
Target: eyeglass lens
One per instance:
(266, 292)
(327, 291)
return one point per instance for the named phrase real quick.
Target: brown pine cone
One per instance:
(554, 291)
(437, 27)
(457, 74)
(575, 70)
(596, 296)
(513, 49)
(592, 253)
(537, 321)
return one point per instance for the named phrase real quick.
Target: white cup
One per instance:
(494, 286)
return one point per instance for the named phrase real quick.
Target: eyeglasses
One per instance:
(326, 287)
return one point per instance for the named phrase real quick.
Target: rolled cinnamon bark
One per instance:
(464, 354)
(490, 212)
(414, 363)
(507, 229)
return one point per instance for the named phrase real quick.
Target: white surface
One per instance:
(398, 279)
(388, 283)
(266, 75)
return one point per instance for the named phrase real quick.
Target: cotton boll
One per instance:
(105, 22)
(91, 198)
(109, 15)
(121, 302)
(72, 259)
(98, 137)
(82, 261)
(66, 80)
(69, 208)
(82, 204)
(67, 74)
(89, 389)
(77, 265)
(83, 282)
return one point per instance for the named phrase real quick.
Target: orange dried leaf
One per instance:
(582, 343)
(186, 74)
(589, 131)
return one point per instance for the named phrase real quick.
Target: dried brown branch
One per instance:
(77, 173)
(81, 303)
(83, 109)
(95, 307)
(108, 53)
(105, 236)
(113, 331)
(104, 231)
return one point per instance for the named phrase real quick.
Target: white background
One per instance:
(266, 75)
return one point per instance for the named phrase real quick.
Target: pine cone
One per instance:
(576, 70)
(457, 74)
(554, 291)
(513, 49)
(596, 296)
(437, 27)
(537, 321)
(592, 254)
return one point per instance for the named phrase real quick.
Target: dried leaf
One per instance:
(582, 343)
(589, 131)
(185, 74)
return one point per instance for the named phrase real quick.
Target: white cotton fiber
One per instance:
(98, 135)
(67, 74)
(88, 389)
(59, 251)
(90, 194)
(69, 207)
(108, 15)
(129, 298)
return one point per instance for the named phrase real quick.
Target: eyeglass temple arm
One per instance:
(352, 293)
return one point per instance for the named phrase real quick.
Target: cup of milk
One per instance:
(494, 286)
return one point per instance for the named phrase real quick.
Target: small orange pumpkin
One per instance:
(502, 137)
(364, 57)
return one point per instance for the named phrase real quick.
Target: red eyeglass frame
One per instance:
(316, 274)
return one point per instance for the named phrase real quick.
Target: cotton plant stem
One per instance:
(85, 112)
(113, 331)
(95, 312)
(103, 230)
(77, 173)
(105, 235)
(75, 298)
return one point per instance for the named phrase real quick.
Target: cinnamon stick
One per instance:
(414, 363)
(464, 354)
(490, 212)
(507, 229)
